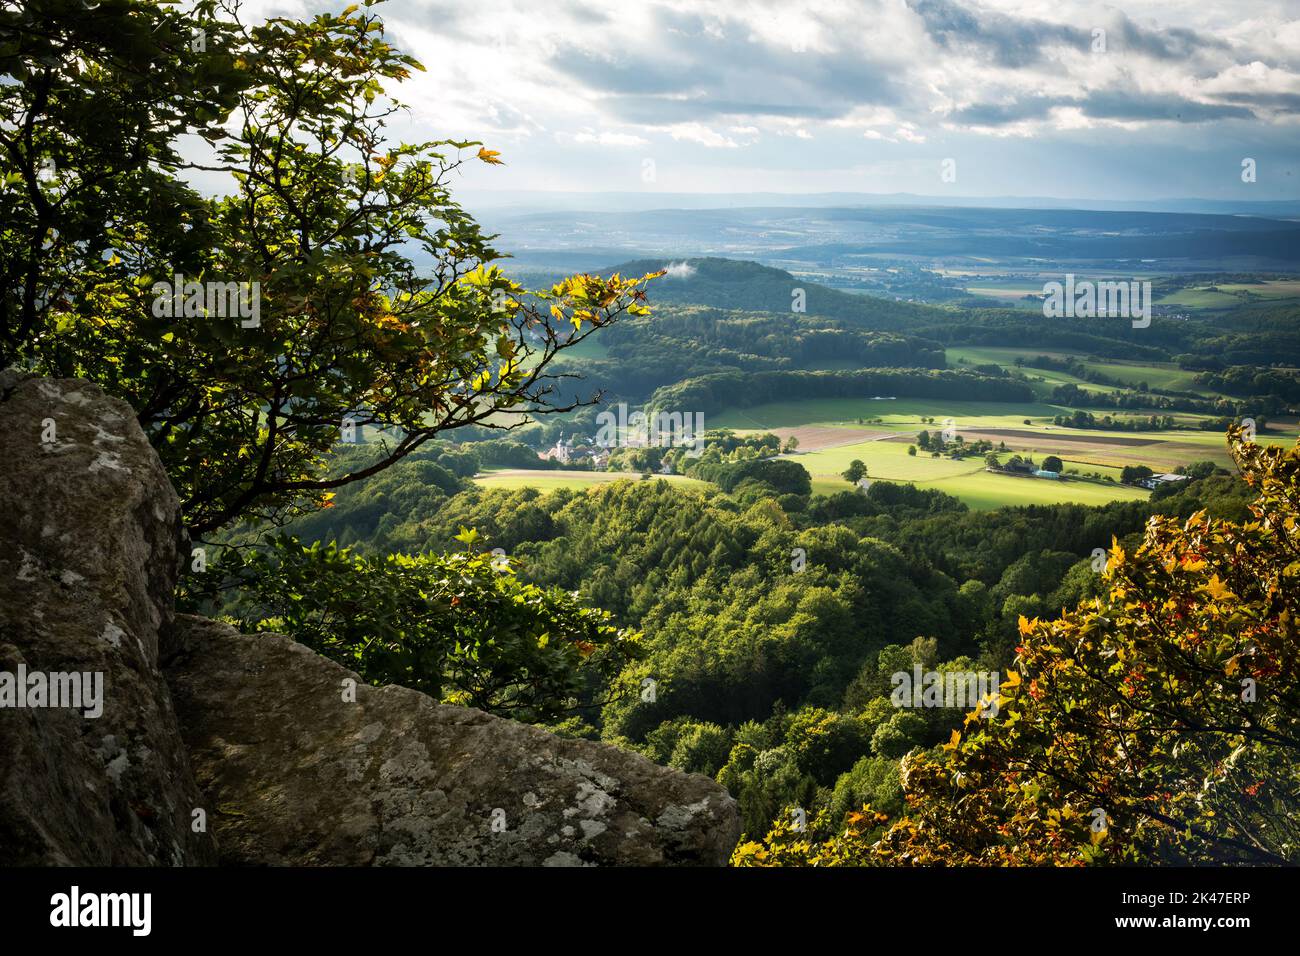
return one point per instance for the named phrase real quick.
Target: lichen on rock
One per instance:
(251, 734)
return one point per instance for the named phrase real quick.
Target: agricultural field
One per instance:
(1200, 299)
(830, 437)
(1155, 374)
(1015, 293)
(967, 479)
(547, 480)
(893, 415)
(1021, 290)
(985, 491)
(1012, 288)
(1267, 288)
(1042, 380)
(833, 432)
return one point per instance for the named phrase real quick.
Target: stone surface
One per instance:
(88, 562)
(255, 731)
(294, 774)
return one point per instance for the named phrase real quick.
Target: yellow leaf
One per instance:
(1218, 590)
(490, 156)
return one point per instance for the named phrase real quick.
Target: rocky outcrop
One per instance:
(303, 764)
(88, 561)
(280, 755)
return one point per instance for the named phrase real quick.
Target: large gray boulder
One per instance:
(301, 763)
(88, 562)
(270, 756)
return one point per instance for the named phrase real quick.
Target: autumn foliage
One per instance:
(1159, 723)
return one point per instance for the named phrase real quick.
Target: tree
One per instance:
(911, 450)
(899, 734)
(1132, 474)
(1052, 463)
(781, 476)
(462, 627)
(301, 318)
(1158, 722)
(855, 472)
(791, 444)
(93, 98)
(825, 744)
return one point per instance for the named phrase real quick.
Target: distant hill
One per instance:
(735, 284)
(519, 202)
(847, 237)
(745, 286)
(752, 287)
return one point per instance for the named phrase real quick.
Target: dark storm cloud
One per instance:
(1121, 105)
(1000, 114)
(1013, 42)
(1169, 44)
(633, 75)
(1018, 42)
(654, 110)
(1278, 102)
(1130, 105)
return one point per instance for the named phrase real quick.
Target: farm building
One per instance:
(1155, 481)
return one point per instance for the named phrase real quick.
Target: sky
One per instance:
(1126, 101)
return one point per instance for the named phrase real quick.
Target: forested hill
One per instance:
(1262, 333)
(734, 284)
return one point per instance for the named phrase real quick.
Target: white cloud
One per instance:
(716, 72)
(733, 93)
(609, 138)
(701, 134)
(901, 134)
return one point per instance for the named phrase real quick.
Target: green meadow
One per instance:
(887, 426)
(984, 491)
(1267, 288)
(545, 480)
(878, 432)
(1155, 374)
(966, 479)
(1200, 299)
(903, 414)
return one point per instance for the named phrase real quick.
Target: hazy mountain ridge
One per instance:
(523, 201)
(819, 237)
